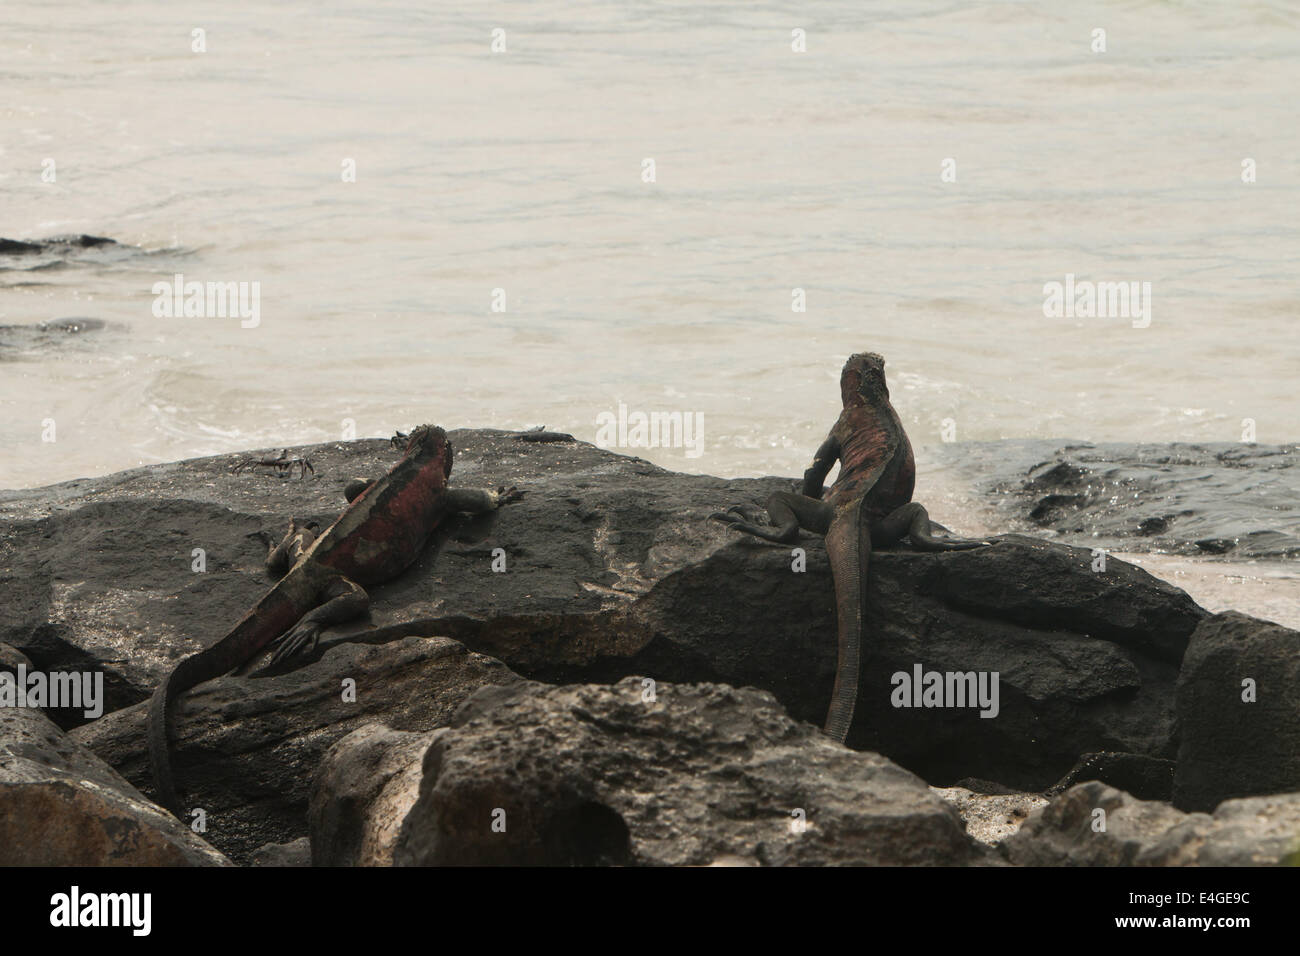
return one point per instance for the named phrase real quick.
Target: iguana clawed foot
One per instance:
(507, 495)
(740, 514)
(302, 639)
(751, 520)
(282, 464)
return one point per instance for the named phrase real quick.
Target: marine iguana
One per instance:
(383, 531)
(869, 504)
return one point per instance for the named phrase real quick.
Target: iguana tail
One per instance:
(272, 616)
(848, 545)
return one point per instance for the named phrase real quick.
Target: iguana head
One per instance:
(863, 380)
(427, 442)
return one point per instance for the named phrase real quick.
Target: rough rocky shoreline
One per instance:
(638, 686)
(1235, 499)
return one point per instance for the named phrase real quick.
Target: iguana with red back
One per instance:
(869, 504)
(384, 530)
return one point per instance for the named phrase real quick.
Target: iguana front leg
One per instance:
(469, 500)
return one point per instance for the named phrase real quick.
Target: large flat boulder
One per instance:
(612, 568)
(1086, 660)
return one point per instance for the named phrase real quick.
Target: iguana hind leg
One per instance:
(353, 489)
(292, 546)
(912, 521)
(343, 599)
(848, 546)
(788, 512)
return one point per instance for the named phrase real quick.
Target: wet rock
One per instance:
(1239, 710)
(56, 253)
(1183, 498)
(20, 247)
(685, 775)
(245, 748)
(1216, 545)
(60, 805)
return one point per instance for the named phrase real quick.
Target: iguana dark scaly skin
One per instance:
(383, 531)
(870, 504)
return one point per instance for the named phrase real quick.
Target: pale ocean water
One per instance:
(522, 171)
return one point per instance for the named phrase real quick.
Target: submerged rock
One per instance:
(24, 247)
(33, 257)
(1183, 498)
(19, 340)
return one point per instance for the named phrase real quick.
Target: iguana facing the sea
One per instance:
(870, 503)
(383, 531)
